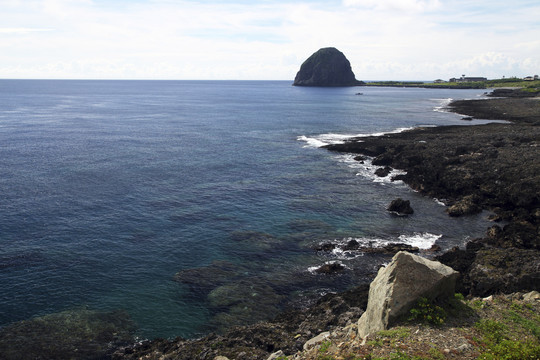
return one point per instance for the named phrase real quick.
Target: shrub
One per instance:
(428, 312)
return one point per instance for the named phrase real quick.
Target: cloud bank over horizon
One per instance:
(266, 40)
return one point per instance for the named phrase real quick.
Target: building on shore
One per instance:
(464, 78)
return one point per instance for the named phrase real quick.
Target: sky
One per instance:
(266, 39)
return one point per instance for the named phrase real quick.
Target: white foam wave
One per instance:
(318, 141)
(345, 254)
(439, 202)
(367, 169)
(443, 104)
(420, 240)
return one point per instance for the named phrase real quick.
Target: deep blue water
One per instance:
(108, 188)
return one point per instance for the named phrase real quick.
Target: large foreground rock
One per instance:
(326, 67)
(398, 287)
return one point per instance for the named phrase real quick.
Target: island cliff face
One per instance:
(326, 67)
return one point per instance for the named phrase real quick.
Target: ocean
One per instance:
(110, 188)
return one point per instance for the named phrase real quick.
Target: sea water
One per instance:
(109, 188)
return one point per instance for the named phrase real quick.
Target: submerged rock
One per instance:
(256, 242)
(243, 302)
(398, 287)
(73, 334)
(326, 67)
(287, 332)
(208, 277)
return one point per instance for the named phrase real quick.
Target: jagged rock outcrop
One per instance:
(400, 285)
(466, 206)
(326, 67)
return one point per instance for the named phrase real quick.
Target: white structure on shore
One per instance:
(464, 78)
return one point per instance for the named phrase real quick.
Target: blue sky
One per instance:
(267, 39)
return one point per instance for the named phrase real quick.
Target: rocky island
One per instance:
(327, 67)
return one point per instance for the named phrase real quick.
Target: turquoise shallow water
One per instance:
(109, 188)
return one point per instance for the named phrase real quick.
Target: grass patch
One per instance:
(529, 86)
(389, 336)
(515, 336)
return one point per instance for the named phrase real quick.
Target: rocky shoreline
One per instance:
(494, 166)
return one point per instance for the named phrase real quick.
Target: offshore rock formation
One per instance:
(326, 67)
(401, 207)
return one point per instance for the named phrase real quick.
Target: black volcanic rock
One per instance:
(326, 67)
(401, 206)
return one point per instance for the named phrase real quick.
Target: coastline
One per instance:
(468, 167)
(493, 166)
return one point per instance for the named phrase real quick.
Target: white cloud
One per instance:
(424, 39)
(395, 5)
(21, 30)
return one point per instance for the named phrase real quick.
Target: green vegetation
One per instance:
(324, 346)
(428, 312)
(515, 336)
(498, 327)
(507, 330)
(444, 85)
(529, 86)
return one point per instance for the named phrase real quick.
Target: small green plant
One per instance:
(426, 311)
(478, 304)
(325, 346)
(459, 296)
(375, 342)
